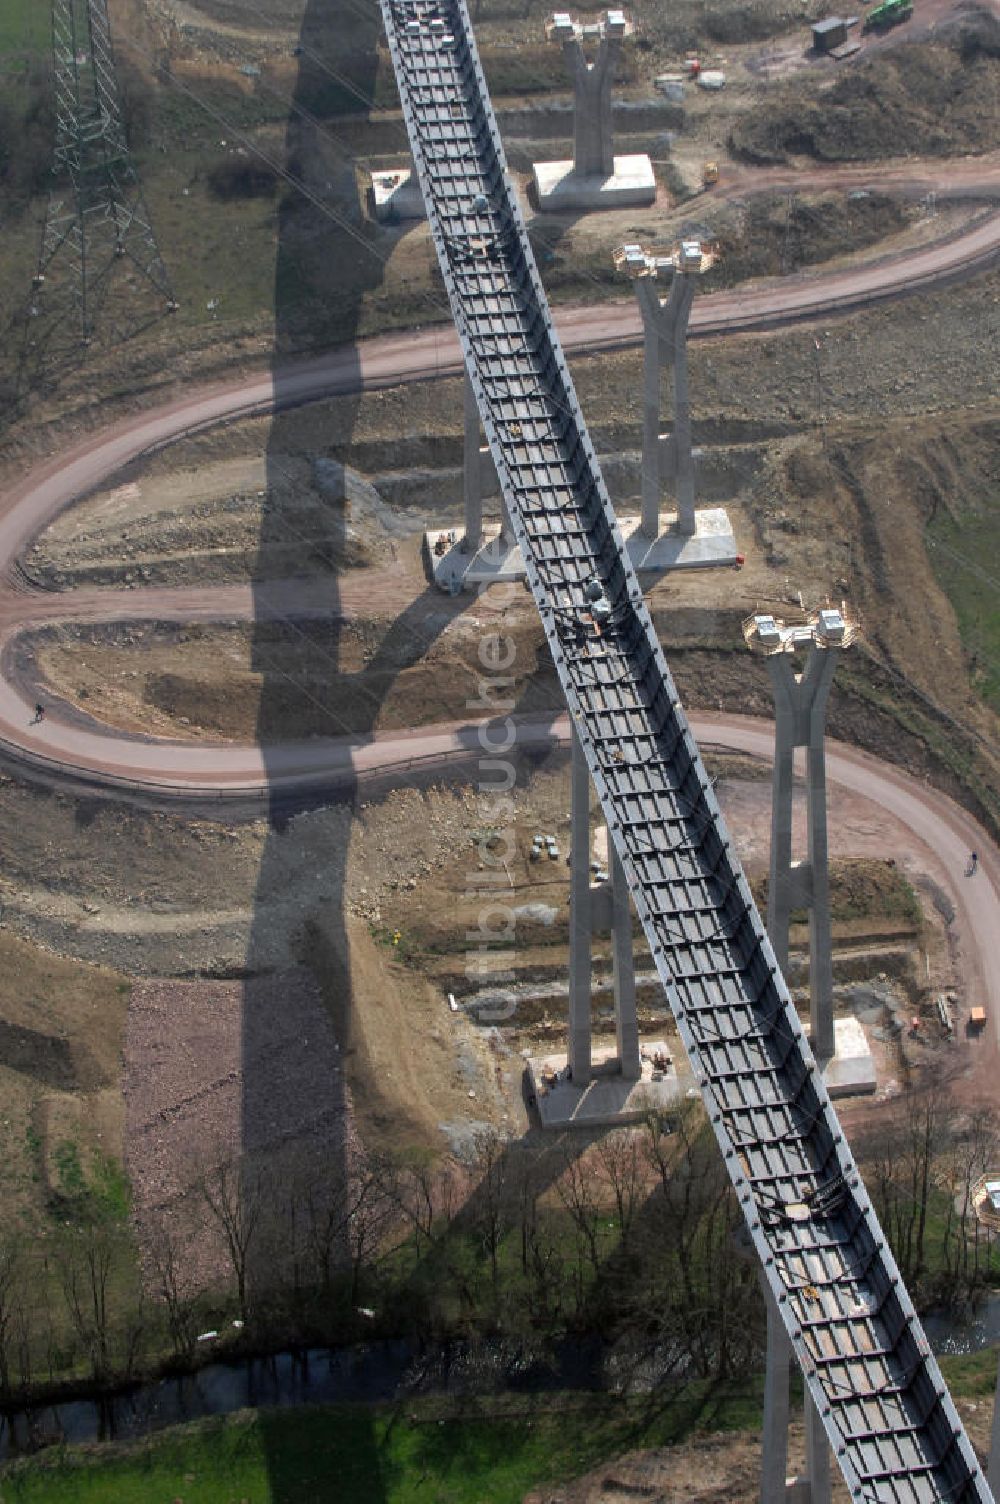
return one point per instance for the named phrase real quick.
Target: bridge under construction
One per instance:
(891, 1423)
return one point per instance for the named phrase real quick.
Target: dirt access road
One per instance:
(101, 757)
(425, 354)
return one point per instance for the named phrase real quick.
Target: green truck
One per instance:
(889, 13)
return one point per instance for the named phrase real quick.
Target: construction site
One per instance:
(499, 779)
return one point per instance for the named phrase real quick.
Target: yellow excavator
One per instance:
(709, 174)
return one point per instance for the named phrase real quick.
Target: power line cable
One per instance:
(370, 104)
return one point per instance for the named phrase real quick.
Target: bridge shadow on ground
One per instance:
(299, 1149)
(297, 1137)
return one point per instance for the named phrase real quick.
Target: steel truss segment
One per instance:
(892, 1425)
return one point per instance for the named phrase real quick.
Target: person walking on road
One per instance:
(973, 864)
(39, 714)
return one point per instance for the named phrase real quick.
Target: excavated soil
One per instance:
(294, 1022)
(841, 515)
(940, 98)
(214, 1071)
(719, 1469)
(223, 251)
(191, 513)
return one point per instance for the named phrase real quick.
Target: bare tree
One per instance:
(677, 1158)
(348, 1219)
(621, 1165)
(576, 1188)
(929, 1117)
(973, 1149)
(167, 1266)
(11, 1300)
(885, 1176)
(237, 1193)
(542, 1263)
(490, 1211)
(904, 1161)
(23, 1338)
(704, 1295)
(372, 1210)
(84, 1261)
(427, 1194)
(133, 1333)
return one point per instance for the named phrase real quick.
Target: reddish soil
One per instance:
(216, 1070)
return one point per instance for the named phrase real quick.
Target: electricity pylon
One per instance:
(100, 274)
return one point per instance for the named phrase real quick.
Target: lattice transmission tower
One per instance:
(100, 275)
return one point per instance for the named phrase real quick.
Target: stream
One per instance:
(385, 1370)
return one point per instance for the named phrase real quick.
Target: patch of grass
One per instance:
(110, 1188)
(399, 943)
(971, 1375)
(860, 888)
(489, 1452)
(960, 552)
(71, 1182)
(25, 26)
(95, 1193)
(62, 1024)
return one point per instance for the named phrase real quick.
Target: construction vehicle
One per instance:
(889, 13)
(710, 174)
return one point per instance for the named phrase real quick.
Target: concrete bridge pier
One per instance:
(800, 702)
(596, 178)
(603, 906)
(665, 328)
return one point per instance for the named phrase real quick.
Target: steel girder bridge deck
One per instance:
(891, 1423)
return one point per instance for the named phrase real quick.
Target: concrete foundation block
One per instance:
(558, 187)
(607, 1099)
(712, 543)
(710, 546)
(851, 1071)
(396, 196)
(453, 569)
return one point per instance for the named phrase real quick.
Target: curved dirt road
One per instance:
(421, 355)
(945, 832)
(108, 759)
(389, 360)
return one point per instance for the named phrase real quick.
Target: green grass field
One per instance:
(962, 553)
(25, 26)
(422, 1453)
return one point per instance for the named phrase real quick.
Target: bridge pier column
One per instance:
(477, 470)
(665, 327)
(800, 714)
(682, 296)
(580, 917)
(583, 919)
(800, 702)
(817, 1454)
(774, 1467)
(593, 136)
(775, 1485)
(626, 1017)
(472, 475)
